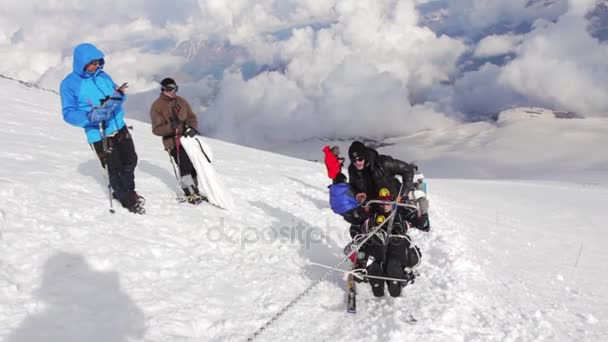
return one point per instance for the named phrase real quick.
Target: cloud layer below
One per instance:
(337, 69)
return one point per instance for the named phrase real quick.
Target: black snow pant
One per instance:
(184, 164)
(121, 162)
(187, 171)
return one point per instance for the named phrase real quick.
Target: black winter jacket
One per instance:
(379, 171)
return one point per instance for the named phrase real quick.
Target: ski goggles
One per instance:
(99, 62)
(172, 88)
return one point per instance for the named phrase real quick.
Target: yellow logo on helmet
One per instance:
(380, 219)
(384, 193)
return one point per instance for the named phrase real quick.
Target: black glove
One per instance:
(354, 230)
(175, 124)
(414, 166)
(178, 126)
(362, 214)
(190, 132)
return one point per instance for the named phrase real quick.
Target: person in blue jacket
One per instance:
(91, 100)
(343, 202)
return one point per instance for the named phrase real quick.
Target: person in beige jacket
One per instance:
(172, 118)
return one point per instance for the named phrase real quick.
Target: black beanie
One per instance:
(357, 149)
(167, 82)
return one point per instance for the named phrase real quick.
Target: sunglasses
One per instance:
(170, 89)
(97, 62)
(359, 159)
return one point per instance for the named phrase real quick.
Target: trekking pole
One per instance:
(177, 149)
(179, 164)
(106, 152)
(176, 171)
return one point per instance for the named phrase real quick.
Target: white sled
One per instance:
(209, 182)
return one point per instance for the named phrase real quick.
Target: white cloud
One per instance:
(496, 45)
(562, 66)
(352, 68)
(479, 93)
(350, 79)
(557, 64)
(43, 34)
(476, 16)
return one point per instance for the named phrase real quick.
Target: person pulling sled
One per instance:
(172, 117)
(370, 171)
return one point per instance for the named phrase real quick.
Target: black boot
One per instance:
(394, 270)
(134, 203)
(375, 269)
(190, 188)
(422, 223)
(193, 196)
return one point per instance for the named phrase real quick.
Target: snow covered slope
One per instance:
(505, 260)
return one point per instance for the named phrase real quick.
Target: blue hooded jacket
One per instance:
(341, 199)
(81, 91)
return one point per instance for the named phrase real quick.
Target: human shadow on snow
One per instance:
(315, 245)
(92, 168)
(320, 204)
(80, 304)
(164, 175)
(306, 185)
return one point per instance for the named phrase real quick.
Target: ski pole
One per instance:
(176, 170)
(106, 152)
(179, 165)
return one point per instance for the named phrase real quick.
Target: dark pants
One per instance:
(398, 248)
(189, 184)
(399, 253)
(121, 161)
(184, 164)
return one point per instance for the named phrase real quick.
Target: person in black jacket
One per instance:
(370, 171)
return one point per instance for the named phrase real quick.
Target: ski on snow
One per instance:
(351, 294)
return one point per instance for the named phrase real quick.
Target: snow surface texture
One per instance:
(505, 261)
